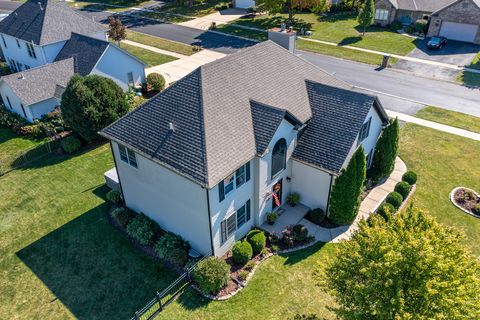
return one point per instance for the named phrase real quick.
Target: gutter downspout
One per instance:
(210, 222)
(329, 193)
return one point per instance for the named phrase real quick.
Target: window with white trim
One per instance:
(4, 42)
(365, 130)
(235, 221)
(128, 156)
(31, 50)
(234, 181)
(369, 159)
(381, 14)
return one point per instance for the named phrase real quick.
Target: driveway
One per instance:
(455, 53)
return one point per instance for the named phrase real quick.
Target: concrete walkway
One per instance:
(434, 125)
(165, 52)
(219, 17)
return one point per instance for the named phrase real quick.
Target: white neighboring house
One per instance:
(206, 157)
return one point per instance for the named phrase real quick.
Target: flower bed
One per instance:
(397, 199)
(466, 200)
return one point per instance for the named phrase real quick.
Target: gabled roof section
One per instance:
(86, 51)
(41, 83)
(338, 115)
(47, 21)
(266, 121)
(476, 2)
(421, 5)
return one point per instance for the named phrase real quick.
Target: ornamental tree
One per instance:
(91, 103)
(410, 267)
(386, 151)
(366, 16)
(346, 191)
(117, 31)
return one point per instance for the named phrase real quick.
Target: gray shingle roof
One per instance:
(38, 84)
(421, 5)
(47, 21)
(338, 115)
(86, 52)
(211, 110)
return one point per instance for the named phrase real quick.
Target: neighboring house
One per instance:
(33, 34)
(453, 19)
(206, 157)
(37, 37)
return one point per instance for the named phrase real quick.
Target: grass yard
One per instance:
(469, 79)
(120, 3)
(451, 118)
(60, 258)
(160, 43)
(246, 33)
(200, 8)
(281, 287)
(475, 64)
(443, 162)
(151, 58)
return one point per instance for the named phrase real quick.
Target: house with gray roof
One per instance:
(211, 155)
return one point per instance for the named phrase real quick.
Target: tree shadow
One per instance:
(192, 300)
(350, 40)
(298, 256)
(93, 270)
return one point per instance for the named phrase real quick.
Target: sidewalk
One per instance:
(165, 52)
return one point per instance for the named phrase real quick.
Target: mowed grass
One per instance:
(443, 162)
(151, 58)
(469, 79)
(160, 43)
(199, 8)
(451, 118)
(60, 257)
(282, 286)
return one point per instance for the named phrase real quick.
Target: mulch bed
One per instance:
(467, 199)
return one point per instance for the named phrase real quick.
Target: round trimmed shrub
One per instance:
(395, 199)
(317, 215)
(156, 82)
(123, 215)
(384, 208)
(114, 196)
(173, 248)
(299, 232)
(141, 229)
(212, 274)
(421, 25)
(257, 239)
(410, 177)
(403, 188)
(71, 144)
(242, 252)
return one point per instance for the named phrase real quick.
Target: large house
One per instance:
(453, 19)
(45, 43)
(209, 157)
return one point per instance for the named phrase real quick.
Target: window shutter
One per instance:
(221, 191)
(248, 210)
(247, 171)
(224, 230)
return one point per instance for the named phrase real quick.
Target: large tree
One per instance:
(410, 267)
(346, 191)
(386, 151)
(366, 16)
(280, 6)
(117, 31)
(91, 103)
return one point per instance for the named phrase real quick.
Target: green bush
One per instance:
(250, 265)
(403, 188)
(11, 119)
(123, 215)
(385, 152)
(396, 25)
(71, 144)
(476, 209)
(305, 317)
(156, 82)
(317, 216)
(272, 217)
(395, 199)
(300, 232)
(257, 239)
(384, 209)
(212, 274)
(421, 25)
(243, 275)
(141, 228)
(410, 177)
(114, 196)
(293, 199)
(242, 252)
(173, 248)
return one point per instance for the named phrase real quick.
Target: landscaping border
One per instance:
(452, 200)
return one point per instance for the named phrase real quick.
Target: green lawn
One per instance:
(199, 9)
(341, 28)
(165, 17)
(283, 286)
(246, 33)
(160, 43)
(149, 57)
(469, 79)
(475, 64)
(443, 162)
(60, 258)
(122, 3)
(451, 118)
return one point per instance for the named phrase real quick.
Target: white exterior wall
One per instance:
(51, 50)
(116, 64)
(20, 55)
(5, 92)
(43, 107)
(176, 203)
(312, 184)
(221, 210)
(265, 181)
(103, 35)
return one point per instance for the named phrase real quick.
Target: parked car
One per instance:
(436, 43)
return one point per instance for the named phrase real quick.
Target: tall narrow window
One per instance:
(279, 157)
(4, 42)
(23, 110)
(31, 51)
(130, 78)
(9, 103)
(18, 43)
(365, 130)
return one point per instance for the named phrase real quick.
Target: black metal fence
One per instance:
(162, 299)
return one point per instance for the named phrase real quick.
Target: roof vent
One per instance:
(40, 4)
(171, 127)
(21, 76)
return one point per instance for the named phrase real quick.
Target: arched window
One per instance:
(279, 156)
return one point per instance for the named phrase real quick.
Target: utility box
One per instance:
(285, 37)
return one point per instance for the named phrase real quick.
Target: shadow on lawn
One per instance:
(296, 257)
(93, 270)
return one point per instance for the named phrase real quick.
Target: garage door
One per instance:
(459, 31)
(244, 4)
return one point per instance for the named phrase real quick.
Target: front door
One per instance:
(277, 194)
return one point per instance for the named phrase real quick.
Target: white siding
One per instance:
(43, 107)
(312, 184)
(15, 102)
(116, 64)
(176, 203)
(20, 54)
(221, 210)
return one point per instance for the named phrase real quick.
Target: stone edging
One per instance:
(410, 195)
(452, 194)
(251, 273)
